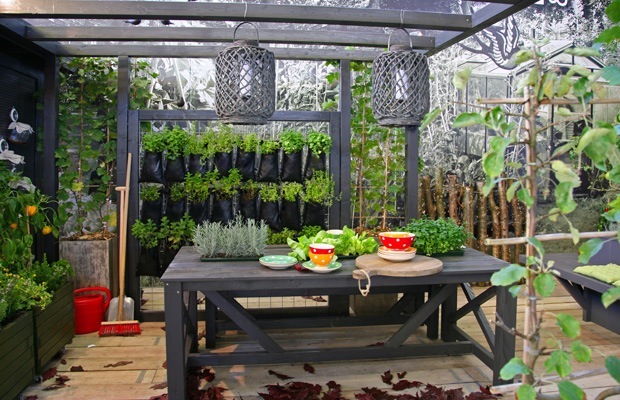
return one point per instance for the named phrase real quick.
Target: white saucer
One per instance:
(321, 270)
(277, 262)
(403, 256)
(385, 250)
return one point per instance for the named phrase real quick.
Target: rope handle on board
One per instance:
(364, 292)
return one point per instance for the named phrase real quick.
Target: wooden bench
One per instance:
(587, 291)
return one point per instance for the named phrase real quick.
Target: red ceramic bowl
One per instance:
(397, 240)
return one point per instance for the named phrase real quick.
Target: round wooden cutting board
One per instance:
(375, 265)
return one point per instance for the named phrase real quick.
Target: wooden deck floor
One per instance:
(124, 368)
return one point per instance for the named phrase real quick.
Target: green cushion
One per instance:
(609, 273)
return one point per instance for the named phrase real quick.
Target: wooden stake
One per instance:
(482, 217)
(453, 200)
(468, 214)
(439, 202)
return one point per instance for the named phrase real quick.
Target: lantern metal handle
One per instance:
(408, 35)
(245, 22)
(4, 145)
(14, 115)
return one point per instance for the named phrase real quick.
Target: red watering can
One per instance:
(90, 308)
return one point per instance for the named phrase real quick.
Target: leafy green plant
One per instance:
(20, 293)
(248, 142)
(177, 191)
(197, 187)
(310, 230)
(150, 191)
(177, 233)
(545, 84)
(291, 191)
(436, 236)
(197, 145)
(282, 236)
(223, 139)
(610, 38)
(320, 188)
(147, 233)
(292, 141)
(319, 142)
(176, 142)
(269, 192)
(226, 187)
(269, 146)
(50, 275)
(347, 244)
(238, 238)
(154, 142)
(249, 189)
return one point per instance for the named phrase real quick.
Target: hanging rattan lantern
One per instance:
(400, 86)
(245, 82)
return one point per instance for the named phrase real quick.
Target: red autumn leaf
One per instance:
(201, 335)
(162, 385)
(309, 368)
(292, 390)
(401, 375)
(63, 361)
(279, 376)
(163, 328)
(35, 397)
(387, 377)
(405, 384)
(374, 394)
(164, 365)
(206, 374)
(61, 379)
(334, 392)
(76, 368)
(49, 374)
(160, 397)
(118, 364)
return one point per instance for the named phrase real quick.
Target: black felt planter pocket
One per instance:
(175, 170)
(167, 256)
(199, 212)
(247, 207)
(291, 167)
(315, 162)
(152, 210)
(175, 209)
(246, 163)
(223, 162)
(270, 213)
(315, 215)
(149, 262)
(268, 169)
(197, 165)
(152, 168)
(222, 210)
(290, 215)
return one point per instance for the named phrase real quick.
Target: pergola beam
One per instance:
(198, 11)
(187, 34)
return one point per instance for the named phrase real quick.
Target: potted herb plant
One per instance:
(318, 195)
(153, 145)
(199, 153)
(269, 209)
(222, 144)
(176, 149)
(152, 201)
(437, 236)
(290, 214)
(176, 202)
(269, 164)
(174, 234)
(247, 144)
(319, 146)
(224, 190)
(237, 238)
(197, 190)
(248, 199)
(147, 234)
(292, 142)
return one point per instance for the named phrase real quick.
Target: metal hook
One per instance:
(408, 35)
(245, 13)
(402, 18)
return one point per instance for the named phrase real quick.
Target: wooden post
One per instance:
(497, 251)
(453, 196)
(518, 225)
(482, 217)
(431, 210)
(503, 217)
(468, 213)
(440, 205)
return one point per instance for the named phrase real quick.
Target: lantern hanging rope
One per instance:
(245, 82)
(400, 85)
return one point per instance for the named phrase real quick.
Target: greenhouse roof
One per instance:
(347, 29)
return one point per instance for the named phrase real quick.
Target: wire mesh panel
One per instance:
(400, 87)
(245, 90)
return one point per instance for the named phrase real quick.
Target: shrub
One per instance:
(436, 236)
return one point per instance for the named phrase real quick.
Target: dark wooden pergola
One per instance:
(48, 29)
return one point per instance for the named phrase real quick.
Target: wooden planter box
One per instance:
(17, 356)
(54, 327)
(95, 262)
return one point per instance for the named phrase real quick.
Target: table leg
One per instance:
(448, 308)
(192, 315)
(176, 355)
(432, 323)
(211, 323)
(504, 349)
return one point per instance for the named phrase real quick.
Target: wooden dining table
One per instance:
(223, 282)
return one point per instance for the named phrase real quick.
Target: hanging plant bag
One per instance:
(175, 209)
(270, 213)
(175, 170)
(152, 210)
(291, 167)
(149, 263)
(268, 168)
(199, 212)
(223, 162)
(197, 165)
(246, 163)
(152, 168)
(222, 210)
(247, 207)
(315, 215)
(290, 215)
(167, 256)
(315, 162)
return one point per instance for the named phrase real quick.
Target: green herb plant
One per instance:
(197, 187)
(248, 142)
(282, 236)
(197, 145)
(20, 293)
(546, 83)
(291, 191)
(147, 233)
(269, 146)
(150, 191)
(177, 191)
(50, 275)
(436, 236)
(176, 142)
(237, 238)
(319, 188)
(349, 243)
(177, 233)
(249, 189)
(319, 142)
(226, 187)
(154, 142)
(269, 192)
(223, 139)
(292, 141)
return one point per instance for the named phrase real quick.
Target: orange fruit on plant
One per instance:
(31, 210)
(46, 230)
(13, 225)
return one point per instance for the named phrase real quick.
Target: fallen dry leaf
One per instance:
(49, 374)
(162, 385)
(279, 376)
(387, 377)
(55, 386)
(63, 361)
(309, 368)
(118, 364)
(76, 368)
(62, 379)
